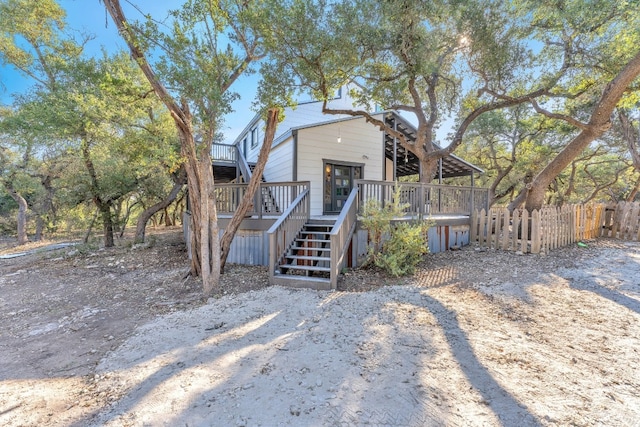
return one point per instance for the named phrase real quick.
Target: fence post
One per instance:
(516, 229)
(535, 231)
(482, 227)
(472, 202)
(505, 231)
(473, 230)
(257, 201)
(524, 237)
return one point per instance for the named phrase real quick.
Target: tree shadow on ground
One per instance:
(509, 410)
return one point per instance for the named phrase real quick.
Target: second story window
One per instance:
(254, 137)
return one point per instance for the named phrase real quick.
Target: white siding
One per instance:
(279, 167)
(303, 115)
(252, 153)
(361, 143)
(311, 113)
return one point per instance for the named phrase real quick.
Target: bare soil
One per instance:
(120, 337)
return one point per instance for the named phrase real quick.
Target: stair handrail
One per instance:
(341, 234)
(283, 232)
(245, 170)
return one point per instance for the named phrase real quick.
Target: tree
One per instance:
(201, 71)
(630, 129)
(599, 122)
(429, 60)
(507, 144)
(252, 187)
(603, 42)
(28, 175)
(95, 111)
(30, 41)
(461, 60)
(8, 176)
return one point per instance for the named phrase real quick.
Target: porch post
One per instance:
(257, 200)
(440, 171)
(473, 198)
(395, 151)
(237, 163)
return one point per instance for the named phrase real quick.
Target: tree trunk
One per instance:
(22, 216)
(428, 169)
(103, 206)
(205, 247)
(93, 221)
(632, 195)
(599, 122)
(46, 214)
(107, 223)
(632, 137)
(39, 235)
(144, 217)
(254, 184)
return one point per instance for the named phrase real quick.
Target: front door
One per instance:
(338, 182)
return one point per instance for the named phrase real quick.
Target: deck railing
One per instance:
(426, 199)
(272, 198)
(224, 153)
(286, 228)
(341, 235)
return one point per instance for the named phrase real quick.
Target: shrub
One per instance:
(396, 248)
(402, 252)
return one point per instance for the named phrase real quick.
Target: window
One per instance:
(254, 137)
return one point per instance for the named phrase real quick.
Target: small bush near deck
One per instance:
(402, 252)
(397, 249)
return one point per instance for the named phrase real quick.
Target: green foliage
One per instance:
(395, 246)
(32, 39)
(403, 251)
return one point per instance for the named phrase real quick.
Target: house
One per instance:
(303, 223)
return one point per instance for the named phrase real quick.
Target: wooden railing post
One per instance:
(258, 202)
(472, 202)
(341, 234)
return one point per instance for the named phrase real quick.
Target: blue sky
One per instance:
(90, 17)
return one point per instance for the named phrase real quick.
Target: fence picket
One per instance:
(507, 231)
(553, 227)
(497, 228)
(482, 229)
(516, 230)
(524, 237)
(535, 231)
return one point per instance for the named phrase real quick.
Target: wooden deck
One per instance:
(281, 210)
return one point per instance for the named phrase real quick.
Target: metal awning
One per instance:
(407, 163)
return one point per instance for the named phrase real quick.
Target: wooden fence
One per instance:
(554, 227)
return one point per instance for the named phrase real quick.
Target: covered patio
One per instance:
(402, 163)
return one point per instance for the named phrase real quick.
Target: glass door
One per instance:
(338, 182)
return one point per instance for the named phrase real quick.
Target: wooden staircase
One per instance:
(307, 263)
(269, 204)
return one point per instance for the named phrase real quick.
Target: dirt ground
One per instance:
(119, 337)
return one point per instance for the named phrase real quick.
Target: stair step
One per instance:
(310, 248)
(308, 257)
(324, 221)
(304, 267)
(312, 240)
(317, 283)
(307, 236)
